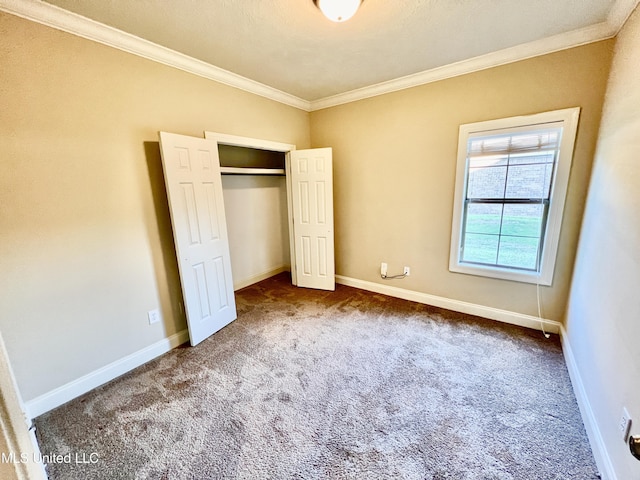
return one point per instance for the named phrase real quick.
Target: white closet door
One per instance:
(311, 173)
(194, 189)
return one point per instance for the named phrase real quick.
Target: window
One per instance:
(511, 183)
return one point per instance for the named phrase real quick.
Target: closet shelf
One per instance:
(251, 171)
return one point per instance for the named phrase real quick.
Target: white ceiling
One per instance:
(289, 46)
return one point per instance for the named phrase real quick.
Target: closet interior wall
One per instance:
(257, 223)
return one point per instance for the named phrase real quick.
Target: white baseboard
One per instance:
(598, 447)
(88, 382)
(261, 276)
(506, 316)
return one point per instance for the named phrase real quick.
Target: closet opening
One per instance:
(254, 188)
(265, 186)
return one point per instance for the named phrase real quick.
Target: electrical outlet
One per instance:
(383, 269)
(625, 424)
(154, 316)
(406, 272)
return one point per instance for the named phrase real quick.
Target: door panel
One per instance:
(194, 189)
(312, 197)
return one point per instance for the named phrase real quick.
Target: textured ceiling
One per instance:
(290, 46)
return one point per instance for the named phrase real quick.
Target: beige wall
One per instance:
(603, 318)
(395, 158)
(85, 238)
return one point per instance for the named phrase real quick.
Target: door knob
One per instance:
(634, 445)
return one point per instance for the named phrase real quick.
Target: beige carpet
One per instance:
(346, 384)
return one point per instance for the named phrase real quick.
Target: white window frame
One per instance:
(569, 118)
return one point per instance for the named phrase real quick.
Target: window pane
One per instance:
(522, 220)
(483, 218)
(486, 182)
(488, 161)
(529, 181)
(480, 248)
(531, 158)
(518, 252)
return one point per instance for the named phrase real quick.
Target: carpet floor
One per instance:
(348, 384)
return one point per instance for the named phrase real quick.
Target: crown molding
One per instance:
(60, 19)
(618, 15)
(524, 51)
(620, 12)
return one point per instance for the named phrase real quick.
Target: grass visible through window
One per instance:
(494, 237)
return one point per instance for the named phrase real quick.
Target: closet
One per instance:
(241, 202)
(309, 201)
(255, 199)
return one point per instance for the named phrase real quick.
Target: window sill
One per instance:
(502, 274)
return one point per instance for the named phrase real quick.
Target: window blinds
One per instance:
(507, 143)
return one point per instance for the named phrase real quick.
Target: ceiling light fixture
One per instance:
(338, 10)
